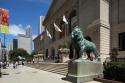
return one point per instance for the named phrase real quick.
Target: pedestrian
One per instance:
(16, 64)
(22, 63)
(13, 65)
(33, 60)
(8, 63)
(1, 63)
(4, 65)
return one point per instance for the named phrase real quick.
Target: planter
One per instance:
(64, 50)
(63, 54)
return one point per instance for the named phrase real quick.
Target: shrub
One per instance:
(13, 54)
(114, 71)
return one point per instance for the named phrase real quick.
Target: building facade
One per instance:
(89, 15)
(41, 27)
(24, 42)
(39, 42)
(117, 21)
(100, 20)
(29, 32)
(15, 44)
(10, 46)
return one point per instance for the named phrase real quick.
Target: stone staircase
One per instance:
(58, 68)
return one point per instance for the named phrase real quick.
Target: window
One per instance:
(122, 41)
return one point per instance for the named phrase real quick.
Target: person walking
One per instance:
(14, 65)
(22, 63)
(33, 60)
(8, 63)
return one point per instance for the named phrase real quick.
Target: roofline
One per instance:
(48, 13)
(38, 36)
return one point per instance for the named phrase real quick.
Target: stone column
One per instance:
(104, 30)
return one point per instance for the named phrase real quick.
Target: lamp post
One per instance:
(4, 52)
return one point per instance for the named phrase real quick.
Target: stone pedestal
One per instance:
(80, 72)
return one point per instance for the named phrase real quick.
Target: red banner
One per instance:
(4, 15)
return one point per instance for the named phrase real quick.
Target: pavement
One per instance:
(25, 74)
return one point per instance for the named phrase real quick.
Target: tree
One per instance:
(30, 57)
(14, 54)
(33, 53)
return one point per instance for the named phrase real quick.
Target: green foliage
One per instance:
(30, 57)
(13, 54)
(114, 71)
(33, 53)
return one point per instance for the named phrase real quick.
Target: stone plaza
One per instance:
(25, 74)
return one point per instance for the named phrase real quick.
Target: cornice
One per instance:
(99, 23)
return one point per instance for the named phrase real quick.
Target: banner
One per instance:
(48, 34)
(57, 28)
(4, 24)
(65, 20)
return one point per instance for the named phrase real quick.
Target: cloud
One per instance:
(17, 29)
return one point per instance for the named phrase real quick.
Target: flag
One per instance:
(57, 28)
(48, 34)
(65, 20)
(4, 24)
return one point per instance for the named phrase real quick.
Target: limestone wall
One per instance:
(117, 20)
(92, 17)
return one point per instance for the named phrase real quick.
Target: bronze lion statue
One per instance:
(83, 47)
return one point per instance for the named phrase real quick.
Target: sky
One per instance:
(22, 14)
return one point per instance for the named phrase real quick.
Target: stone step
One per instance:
(61, 73)
(58, 70)
(61, 69)
(54, 67)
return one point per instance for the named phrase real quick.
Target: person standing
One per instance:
(33, 60)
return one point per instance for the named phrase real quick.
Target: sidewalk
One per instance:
(25, 74)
